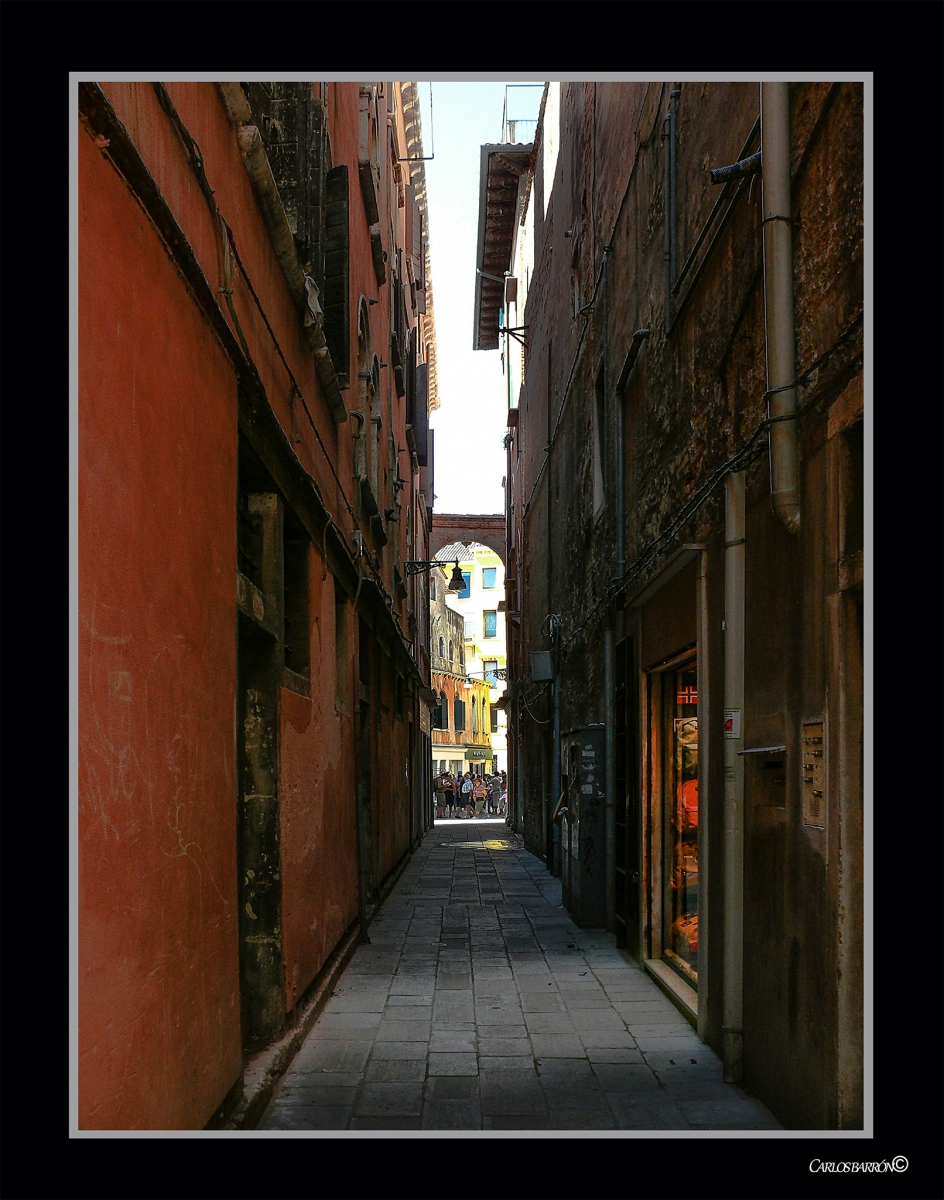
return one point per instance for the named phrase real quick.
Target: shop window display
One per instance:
(680, 824)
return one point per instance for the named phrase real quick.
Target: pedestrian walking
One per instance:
(494, 794)
(442, 791)
(479, 793)
(466, 792)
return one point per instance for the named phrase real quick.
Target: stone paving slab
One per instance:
(479, 1004)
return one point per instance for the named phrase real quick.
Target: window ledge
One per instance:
(682, 995)
(294, 682)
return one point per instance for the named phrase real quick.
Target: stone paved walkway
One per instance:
(480, 1005)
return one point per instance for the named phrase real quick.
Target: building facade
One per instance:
(256, 368)
(461, 723)
(481, 605)
(675, 271)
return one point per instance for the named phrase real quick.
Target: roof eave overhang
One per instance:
(501, 167)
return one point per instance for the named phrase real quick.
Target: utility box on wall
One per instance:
(583, 829)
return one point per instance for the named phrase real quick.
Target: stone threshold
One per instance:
(682, 994)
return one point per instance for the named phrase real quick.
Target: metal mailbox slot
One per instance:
(767, 775)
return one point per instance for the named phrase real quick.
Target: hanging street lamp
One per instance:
(455, 584)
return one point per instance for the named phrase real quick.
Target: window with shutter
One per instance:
(410, 382)
(421, 414)
(420, 260)
(367, 154)
(336, 303)
(292, 123)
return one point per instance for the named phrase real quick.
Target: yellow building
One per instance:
(460, 732)
(483, 628)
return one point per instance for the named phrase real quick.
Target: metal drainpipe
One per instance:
(732, 1004)
(670, 239)
(778, 302)
(507, 368)
(608, 652)
(556, 761)
(610, 766)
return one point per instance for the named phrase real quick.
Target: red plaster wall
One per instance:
(159, 1005)
(319, 846)
(391, 800)
(158, 955)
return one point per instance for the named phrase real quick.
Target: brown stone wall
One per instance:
(450, 527)
(695, 395)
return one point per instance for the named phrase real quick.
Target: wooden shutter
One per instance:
(336, 298)
(421, 414)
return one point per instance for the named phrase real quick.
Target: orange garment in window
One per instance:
(688, 804)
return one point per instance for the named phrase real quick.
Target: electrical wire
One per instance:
(747, 452)
(585, 311)
(229, 247)
(536, 720)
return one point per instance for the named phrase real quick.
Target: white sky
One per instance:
(470, 422)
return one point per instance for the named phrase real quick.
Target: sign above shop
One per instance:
(478, 754)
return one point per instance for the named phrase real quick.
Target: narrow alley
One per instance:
(479, 1004)
(581, 544)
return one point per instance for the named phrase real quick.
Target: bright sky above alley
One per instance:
(469, 425)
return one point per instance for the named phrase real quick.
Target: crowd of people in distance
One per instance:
(470, 795)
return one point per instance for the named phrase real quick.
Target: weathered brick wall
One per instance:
(696, 394)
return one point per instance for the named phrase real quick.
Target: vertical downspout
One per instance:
(670, 173)
(518, 825)
(609, 683)
(778, 302)
(609, 671)
(731, 1021)
(556, 761)
(554, 828)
